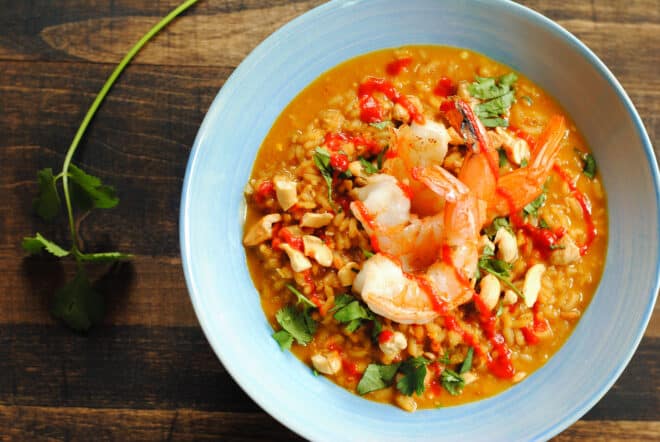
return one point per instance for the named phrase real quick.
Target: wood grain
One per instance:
(148, 373)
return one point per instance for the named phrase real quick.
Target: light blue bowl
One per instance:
(212, 208)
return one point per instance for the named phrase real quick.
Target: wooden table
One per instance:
(148, 373)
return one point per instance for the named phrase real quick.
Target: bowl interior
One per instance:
(227, 303)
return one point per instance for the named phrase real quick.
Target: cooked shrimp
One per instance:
(383, 209)
(523, 185)
(383, 204)
(418, 145)
(388, 291)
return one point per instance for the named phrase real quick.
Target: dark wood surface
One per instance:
(148, 373)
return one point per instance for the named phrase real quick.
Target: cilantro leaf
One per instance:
(380, 125)
(381, 157)
(532, 208)
(376, 377)
(301, 298)
(90, 191)
(467, 363)
(375, 331)
(498, 98)
(501, 270)
(414, 372)
(298, 324)
(105, 257)
(445, 359)
(38, 243)
(350, 310)
(452, 381)
(588, 164)
(77, 304)
(367, 253)
(524, 162)
(495, 107)
(368, 166)
(543, 224)
(284, 339)
(47, 203)
(322, 161)
(497, 224)
(501, 155)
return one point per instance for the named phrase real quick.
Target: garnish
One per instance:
(527, 99)
(300, 296)
(381, 157)
(499, 97)
(414, 372)
(543, 224)
(501, 155)
(368, 166)
(349, 310)
(496, 225)
(376, 377)
(467, 363)
(367, 253)
(298, 325)
(375, 331)
(76, 303)
(322, 161)
(588, 163)
(524, 162)
(381, 124)
(445, 359)
(532, 209)
(498, 268)
(452, 381)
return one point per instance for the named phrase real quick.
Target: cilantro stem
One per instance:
(97, 103)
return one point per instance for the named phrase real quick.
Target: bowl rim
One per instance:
(266, 45)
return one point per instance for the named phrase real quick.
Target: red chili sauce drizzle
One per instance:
(370, 110)
(394, 68)
(545, 237)
(368, 219)
(584, 204)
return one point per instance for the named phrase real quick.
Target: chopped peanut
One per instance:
(532, 284)
(329, 363)
(517, 149)
(262, 230)
(285, 190)
(298, 261)
(394, 345)
(490, 291)
(347, 274)
(507, 247)
(316, 220)
(316, 248)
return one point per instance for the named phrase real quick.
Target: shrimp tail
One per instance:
(523, 185)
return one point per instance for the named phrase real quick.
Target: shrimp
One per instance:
(412, 299)
(516, 189)
(383, 209)
(523, 185)
(418, 145)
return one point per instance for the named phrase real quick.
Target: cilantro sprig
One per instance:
(413, 372)
(348, 310)
(589, 167)
(322, 161)
(498, 97)
(498, 268)
(76, 303)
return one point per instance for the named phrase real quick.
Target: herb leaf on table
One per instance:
(76, 303)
